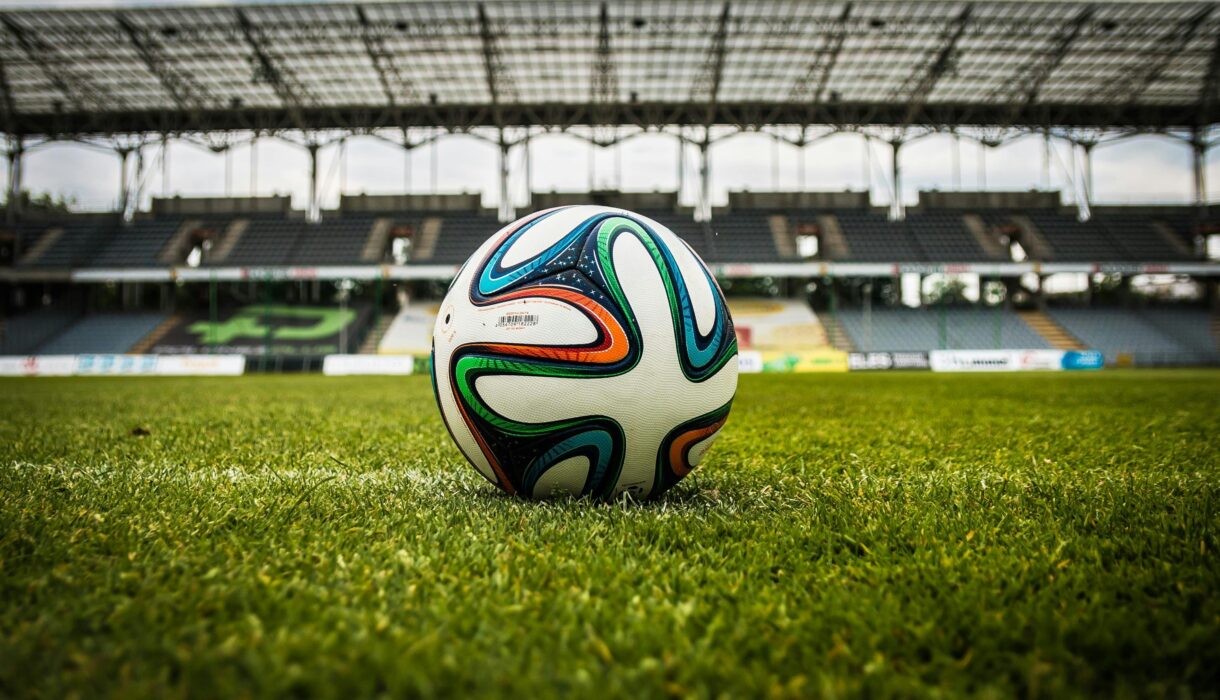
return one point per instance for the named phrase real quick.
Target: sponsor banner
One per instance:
(864, 361)
(802, 361)
(344, 365)
(996, 360)
(266, 329)
(37, 365)
(161, 365)
(123, 365)
(749, 362)
(201, 365)
(116, 364)
(1083, 359)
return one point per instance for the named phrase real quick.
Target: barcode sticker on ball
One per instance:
(517, 320)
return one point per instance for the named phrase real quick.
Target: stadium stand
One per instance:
(103, 333)
(333, 241)
(1192, 327)
(871, 237)
(1117, 332)
(24, 333)
(744, 236)
(1075, 241)
(410, 333)
(894, 329)
(265, 240)
(459, 235)
(74, 243)
(1138, 239)
(943, 237)
(776, 324)
(137, 245)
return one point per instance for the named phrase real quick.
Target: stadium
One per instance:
(972, 450)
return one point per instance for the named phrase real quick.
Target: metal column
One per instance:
(529, 172)
(705, 183)
(124, 193)
(165, 165)
(13, 203)
(1198, 148)
(681, 165)
(254, 166)
(506, 205)
(314, 212)
(1088, 173)
(896, 211)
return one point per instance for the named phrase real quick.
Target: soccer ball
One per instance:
(584, 351)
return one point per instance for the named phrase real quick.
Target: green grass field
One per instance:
(894, 535)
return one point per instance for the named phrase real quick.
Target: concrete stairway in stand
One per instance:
(1051, 332)
(373, 338)
(1173, 240)
(425, 243)
(374, 247)
(1032, 241)
(833, 244)
(177, 247)
(147, 342)
(835, 333)
(989, 244)
(232, 235)
(781, 234)
(42, 245)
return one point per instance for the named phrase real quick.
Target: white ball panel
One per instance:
(530, 321)
(542, 236)
(697, 450)
(565, 477)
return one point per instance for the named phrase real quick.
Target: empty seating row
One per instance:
(740, 235)
(274, 241)
(138, 245)
(1125, 331)
(333, 241)
(103, 333)
(22, 334)
(71, 244)
(460, 235)
(743, 236)
(947, 328)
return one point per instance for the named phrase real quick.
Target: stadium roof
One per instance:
(462, 64)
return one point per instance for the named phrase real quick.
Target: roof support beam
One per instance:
(383, 61)
(79, 95)
(271, 72)
(466, 116)
(8, 109)
(605, 79)
(925, 79)
(1036, 72)
(817, 75)
(491, 62)
(186, 93)
(1211, 84)
(1158, 59)
(713, 71)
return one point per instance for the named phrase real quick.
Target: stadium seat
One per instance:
(902, 329)
(1126, 331)
(23, 333)
(103, 333)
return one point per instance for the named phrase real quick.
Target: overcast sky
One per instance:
(1136, 170)
(1143, 169)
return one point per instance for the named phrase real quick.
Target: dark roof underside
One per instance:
(505, 63)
